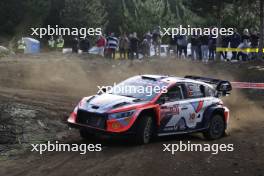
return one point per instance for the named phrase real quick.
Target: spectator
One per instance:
(145, 48)
(112, 44)
(101, 43)
(194, 47)
(225, 43)
(75, 45)
(254, 40)
(148, 36)
(21, 45)
(134, 44)
(244, 45)
(204, 48)
(60, 42)
(199, 47)
(235, 40)
(85, 45)
(212, 47)
(172, 45)
(124, 46)
(182, 44)
(51, 43)
(156, 36)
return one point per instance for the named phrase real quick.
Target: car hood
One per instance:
(106, 102)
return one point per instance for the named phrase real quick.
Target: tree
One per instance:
(146, 15)
(260, 53)
(11, 13)
(83, 13)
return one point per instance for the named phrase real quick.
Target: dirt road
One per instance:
(48, 86)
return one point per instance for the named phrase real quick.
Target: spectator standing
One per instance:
(254, 40)
(145, 48)
(134, 44)
(75, 45)
(148, 36)
(51, 43)
(21, 45)
(172, 45)
(60, 43)
(244, 45)
(204, 48)
(156, 37)
(212, 47)
(85, 45)
(112, 44)
(123, 46)
(235, 40)
(101, 43)
(225, 43)
(182, 44)
(194, 47)
(199, 47)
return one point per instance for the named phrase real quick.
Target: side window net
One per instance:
(195, 90)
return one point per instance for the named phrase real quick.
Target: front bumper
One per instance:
(98, 131)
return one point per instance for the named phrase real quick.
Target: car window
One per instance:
(195, 90)
(209, 92)
(174, 94)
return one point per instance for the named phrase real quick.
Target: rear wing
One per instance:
(222, 87)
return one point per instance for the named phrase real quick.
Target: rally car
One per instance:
(158, 106)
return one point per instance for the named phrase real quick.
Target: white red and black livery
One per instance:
(185, 105)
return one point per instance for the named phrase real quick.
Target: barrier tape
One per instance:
(247, 85)
(246, 50)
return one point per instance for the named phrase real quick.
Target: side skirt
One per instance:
(181, 132)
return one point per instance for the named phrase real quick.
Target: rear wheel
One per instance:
(145, 130)
(216, 128)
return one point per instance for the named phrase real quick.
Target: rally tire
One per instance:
(216, 128)
(145, 130)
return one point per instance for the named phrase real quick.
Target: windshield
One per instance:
(139, 88)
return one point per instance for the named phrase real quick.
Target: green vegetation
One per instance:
(119, 16)
(122, 15)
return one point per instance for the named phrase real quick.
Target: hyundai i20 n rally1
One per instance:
(156, 106)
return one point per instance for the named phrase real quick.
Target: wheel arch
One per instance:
(210, 112)
(151, 112)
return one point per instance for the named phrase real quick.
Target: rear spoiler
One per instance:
(223, 87)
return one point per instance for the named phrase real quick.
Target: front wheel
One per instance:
(145, 130)
(216, 128)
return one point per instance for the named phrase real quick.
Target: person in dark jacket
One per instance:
(75, 45)
(85, 45)
(235, 40)
(199, 47)
(212, 47)
(134, 44)
(254, 39)
(172, 45)
(194, 47)
(225, 43)
(204, 48)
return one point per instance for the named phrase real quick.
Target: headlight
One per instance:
(120, 115)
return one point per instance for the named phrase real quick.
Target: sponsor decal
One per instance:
(197, 106)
